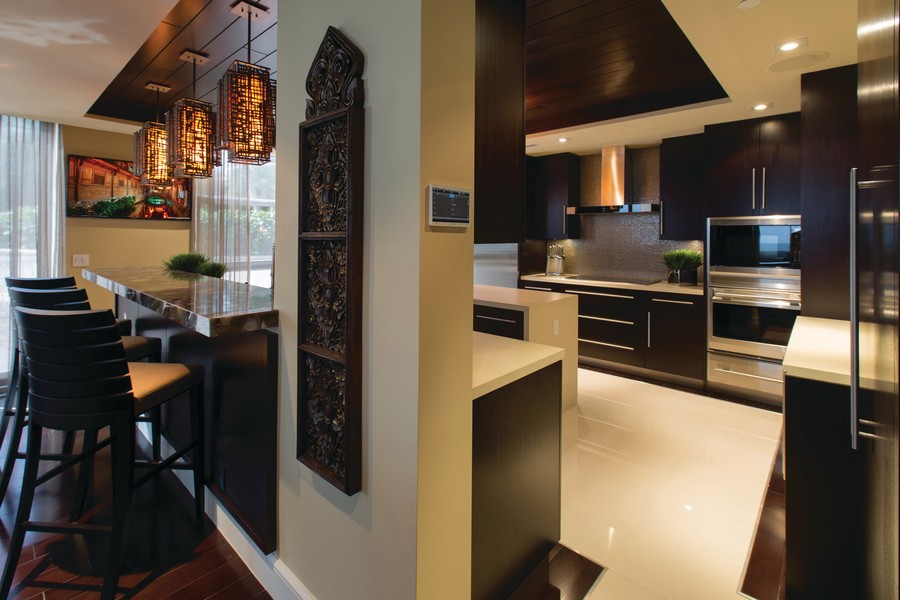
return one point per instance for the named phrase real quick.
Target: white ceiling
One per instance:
(57, 56)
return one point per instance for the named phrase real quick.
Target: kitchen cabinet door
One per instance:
(681, 168)
(556, 181)
(829, 132)
(676, 334)
(732, 154)
(753, 167)
(610, 324)
(499, 195)
(499, 321)
(779, 156)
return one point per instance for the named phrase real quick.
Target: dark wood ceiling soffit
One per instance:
(588, 61)
(205, 26)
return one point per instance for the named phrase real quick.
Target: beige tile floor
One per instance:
(663, 487)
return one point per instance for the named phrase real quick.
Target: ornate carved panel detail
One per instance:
(327, 206)
(324, 407)
(326, 294)
(329, 427)
(334, 80)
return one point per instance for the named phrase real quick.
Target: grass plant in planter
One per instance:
(194, 262)
(683, 265)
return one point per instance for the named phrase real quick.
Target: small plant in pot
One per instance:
(193, 262)
(683, 265)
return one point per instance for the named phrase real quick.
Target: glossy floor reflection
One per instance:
(663, 487)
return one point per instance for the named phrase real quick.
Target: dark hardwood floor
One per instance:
(169, 553)
(764, 576)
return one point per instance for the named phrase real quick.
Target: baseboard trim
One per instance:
(280, 582)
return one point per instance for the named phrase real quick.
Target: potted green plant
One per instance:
(683, 265)
(194, 262)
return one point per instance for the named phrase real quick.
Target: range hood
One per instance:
(614, 189)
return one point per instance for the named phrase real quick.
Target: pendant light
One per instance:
(191, 129)
(247, 102)
(150, 147)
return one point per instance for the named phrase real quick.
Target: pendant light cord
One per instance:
(249, 35)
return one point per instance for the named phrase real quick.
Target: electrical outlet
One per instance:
(555, 326)
(81, 260)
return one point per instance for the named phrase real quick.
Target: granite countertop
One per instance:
(819, 349)
(207, 305)
(498, 361)
(661, 286)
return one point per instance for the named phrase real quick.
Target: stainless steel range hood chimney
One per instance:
(614, 193)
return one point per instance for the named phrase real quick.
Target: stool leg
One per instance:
(122, 457)
(32, 459)
(156, 431)
(85, 475)
(197, 458)
(10, 394)
(15, 436)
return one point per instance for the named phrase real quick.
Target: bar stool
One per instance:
(79, 380)
(136, 348)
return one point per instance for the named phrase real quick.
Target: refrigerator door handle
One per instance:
(854, 318)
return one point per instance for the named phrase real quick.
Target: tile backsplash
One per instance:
(620, 244)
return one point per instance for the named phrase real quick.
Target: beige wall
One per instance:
(115, 242)
(363, 546)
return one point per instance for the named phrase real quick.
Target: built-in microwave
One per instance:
(765, 244)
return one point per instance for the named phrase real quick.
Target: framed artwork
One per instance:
(108, 188)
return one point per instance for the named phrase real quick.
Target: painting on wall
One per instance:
(103, 187)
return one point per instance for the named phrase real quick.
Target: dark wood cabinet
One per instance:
(753, 167)
(676, 334)
(828, 133)
(681, 171)
(499, 321)
(499, 195)
(554, 184)
(610, 324)
(823, 493)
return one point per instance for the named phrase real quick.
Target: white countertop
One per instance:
(662, 286)
(498, 361)
(501, 297)
(819, 349)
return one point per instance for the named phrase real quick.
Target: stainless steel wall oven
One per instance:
(753, 296)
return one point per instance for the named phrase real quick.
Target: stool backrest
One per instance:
(56, 299)
(40, 283)
(77, 373)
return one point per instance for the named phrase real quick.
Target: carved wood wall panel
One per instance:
(329, 428)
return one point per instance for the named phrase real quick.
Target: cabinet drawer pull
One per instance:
(750, 375)
(672, 301)
(604, 319)
(534, 287)
(495, 319)
(600, 294)
(605, 344)
(648, 329)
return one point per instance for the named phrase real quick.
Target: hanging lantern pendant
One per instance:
(190, 126)
(151, 147)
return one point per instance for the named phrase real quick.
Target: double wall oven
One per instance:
(753, 297)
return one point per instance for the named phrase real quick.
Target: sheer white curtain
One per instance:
(234, 219)
(32, 210)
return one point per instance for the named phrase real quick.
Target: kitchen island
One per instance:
(224, 326)
(516, 417)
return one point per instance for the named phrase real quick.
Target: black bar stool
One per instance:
(136, 348)
(79, 380)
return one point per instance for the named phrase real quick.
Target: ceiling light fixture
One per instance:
(150, 147)
(761, 106)
(562, 140)
(191, 129)
(790, 45)
(247, 102)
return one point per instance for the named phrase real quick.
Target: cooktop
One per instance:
(620, 278)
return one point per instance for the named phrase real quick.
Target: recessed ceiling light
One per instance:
(761, 106)
(790, 45)
(562, 140)
(745, 4)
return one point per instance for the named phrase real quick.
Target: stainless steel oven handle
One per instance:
(761, 303)
(750, 375)
(854, 319)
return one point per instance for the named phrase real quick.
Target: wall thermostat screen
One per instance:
(449, 206)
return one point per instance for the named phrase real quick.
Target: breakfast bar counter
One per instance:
(226, 327)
